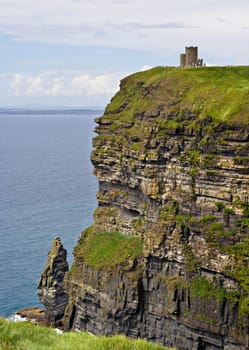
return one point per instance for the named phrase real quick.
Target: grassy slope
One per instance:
(26, 336)
(221, 93)
(107, 249)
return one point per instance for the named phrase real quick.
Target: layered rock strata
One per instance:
(167, 258)
(51, 290)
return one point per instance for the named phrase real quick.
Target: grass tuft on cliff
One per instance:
(107, 249)
(26, 336)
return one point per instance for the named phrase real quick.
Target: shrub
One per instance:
(220, 205)
(229, 211)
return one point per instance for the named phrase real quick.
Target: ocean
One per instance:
(47, 189)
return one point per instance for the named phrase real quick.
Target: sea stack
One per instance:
(51, 289)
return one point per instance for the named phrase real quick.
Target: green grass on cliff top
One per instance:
(107, 249)
(26, 336)
(221, 93)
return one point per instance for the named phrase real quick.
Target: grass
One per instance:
(107, 249)
(217, 92)
(207, 219)
(26, 336)
(201, 287)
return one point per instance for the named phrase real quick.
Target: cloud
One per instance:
(160, 28)
(104, 35)
(142, 26)
(119, 23)
(110, 34)
(65, 88)
(66, 83)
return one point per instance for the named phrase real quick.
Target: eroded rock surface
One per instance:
(51, 289)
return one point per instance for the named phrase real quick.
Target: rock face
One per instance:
(51, 289)
(167, 258)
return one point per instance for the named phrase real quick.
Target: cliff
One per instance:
(167, 258)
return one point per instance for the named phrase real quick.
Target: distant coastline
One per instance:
(54, 111)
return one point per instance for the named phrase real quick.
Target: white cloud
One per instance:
(16, 84)
(57, 85)
(34, 85)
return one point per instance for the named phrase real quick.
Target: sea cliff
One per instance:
(167, 258)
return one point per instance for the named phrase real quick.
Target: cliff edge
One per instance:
(167, 258)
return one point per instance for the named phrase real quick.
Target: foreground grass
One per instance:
(26, 336)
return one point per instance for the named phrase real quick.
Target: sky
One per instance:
(73, 53)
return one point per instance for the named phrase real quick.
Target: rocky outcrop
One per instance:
(51, 289)
(167, 256)
(34, 315)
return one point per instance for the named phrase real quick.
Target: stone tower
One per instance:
(191, 54)
(190, 57)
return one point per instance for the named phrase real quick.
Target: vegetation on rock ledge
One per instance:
(107, 249)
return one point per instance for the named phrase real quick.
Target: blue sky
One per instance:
(74, 52)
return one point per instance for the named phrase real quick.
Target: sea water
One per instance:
(47, 189)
